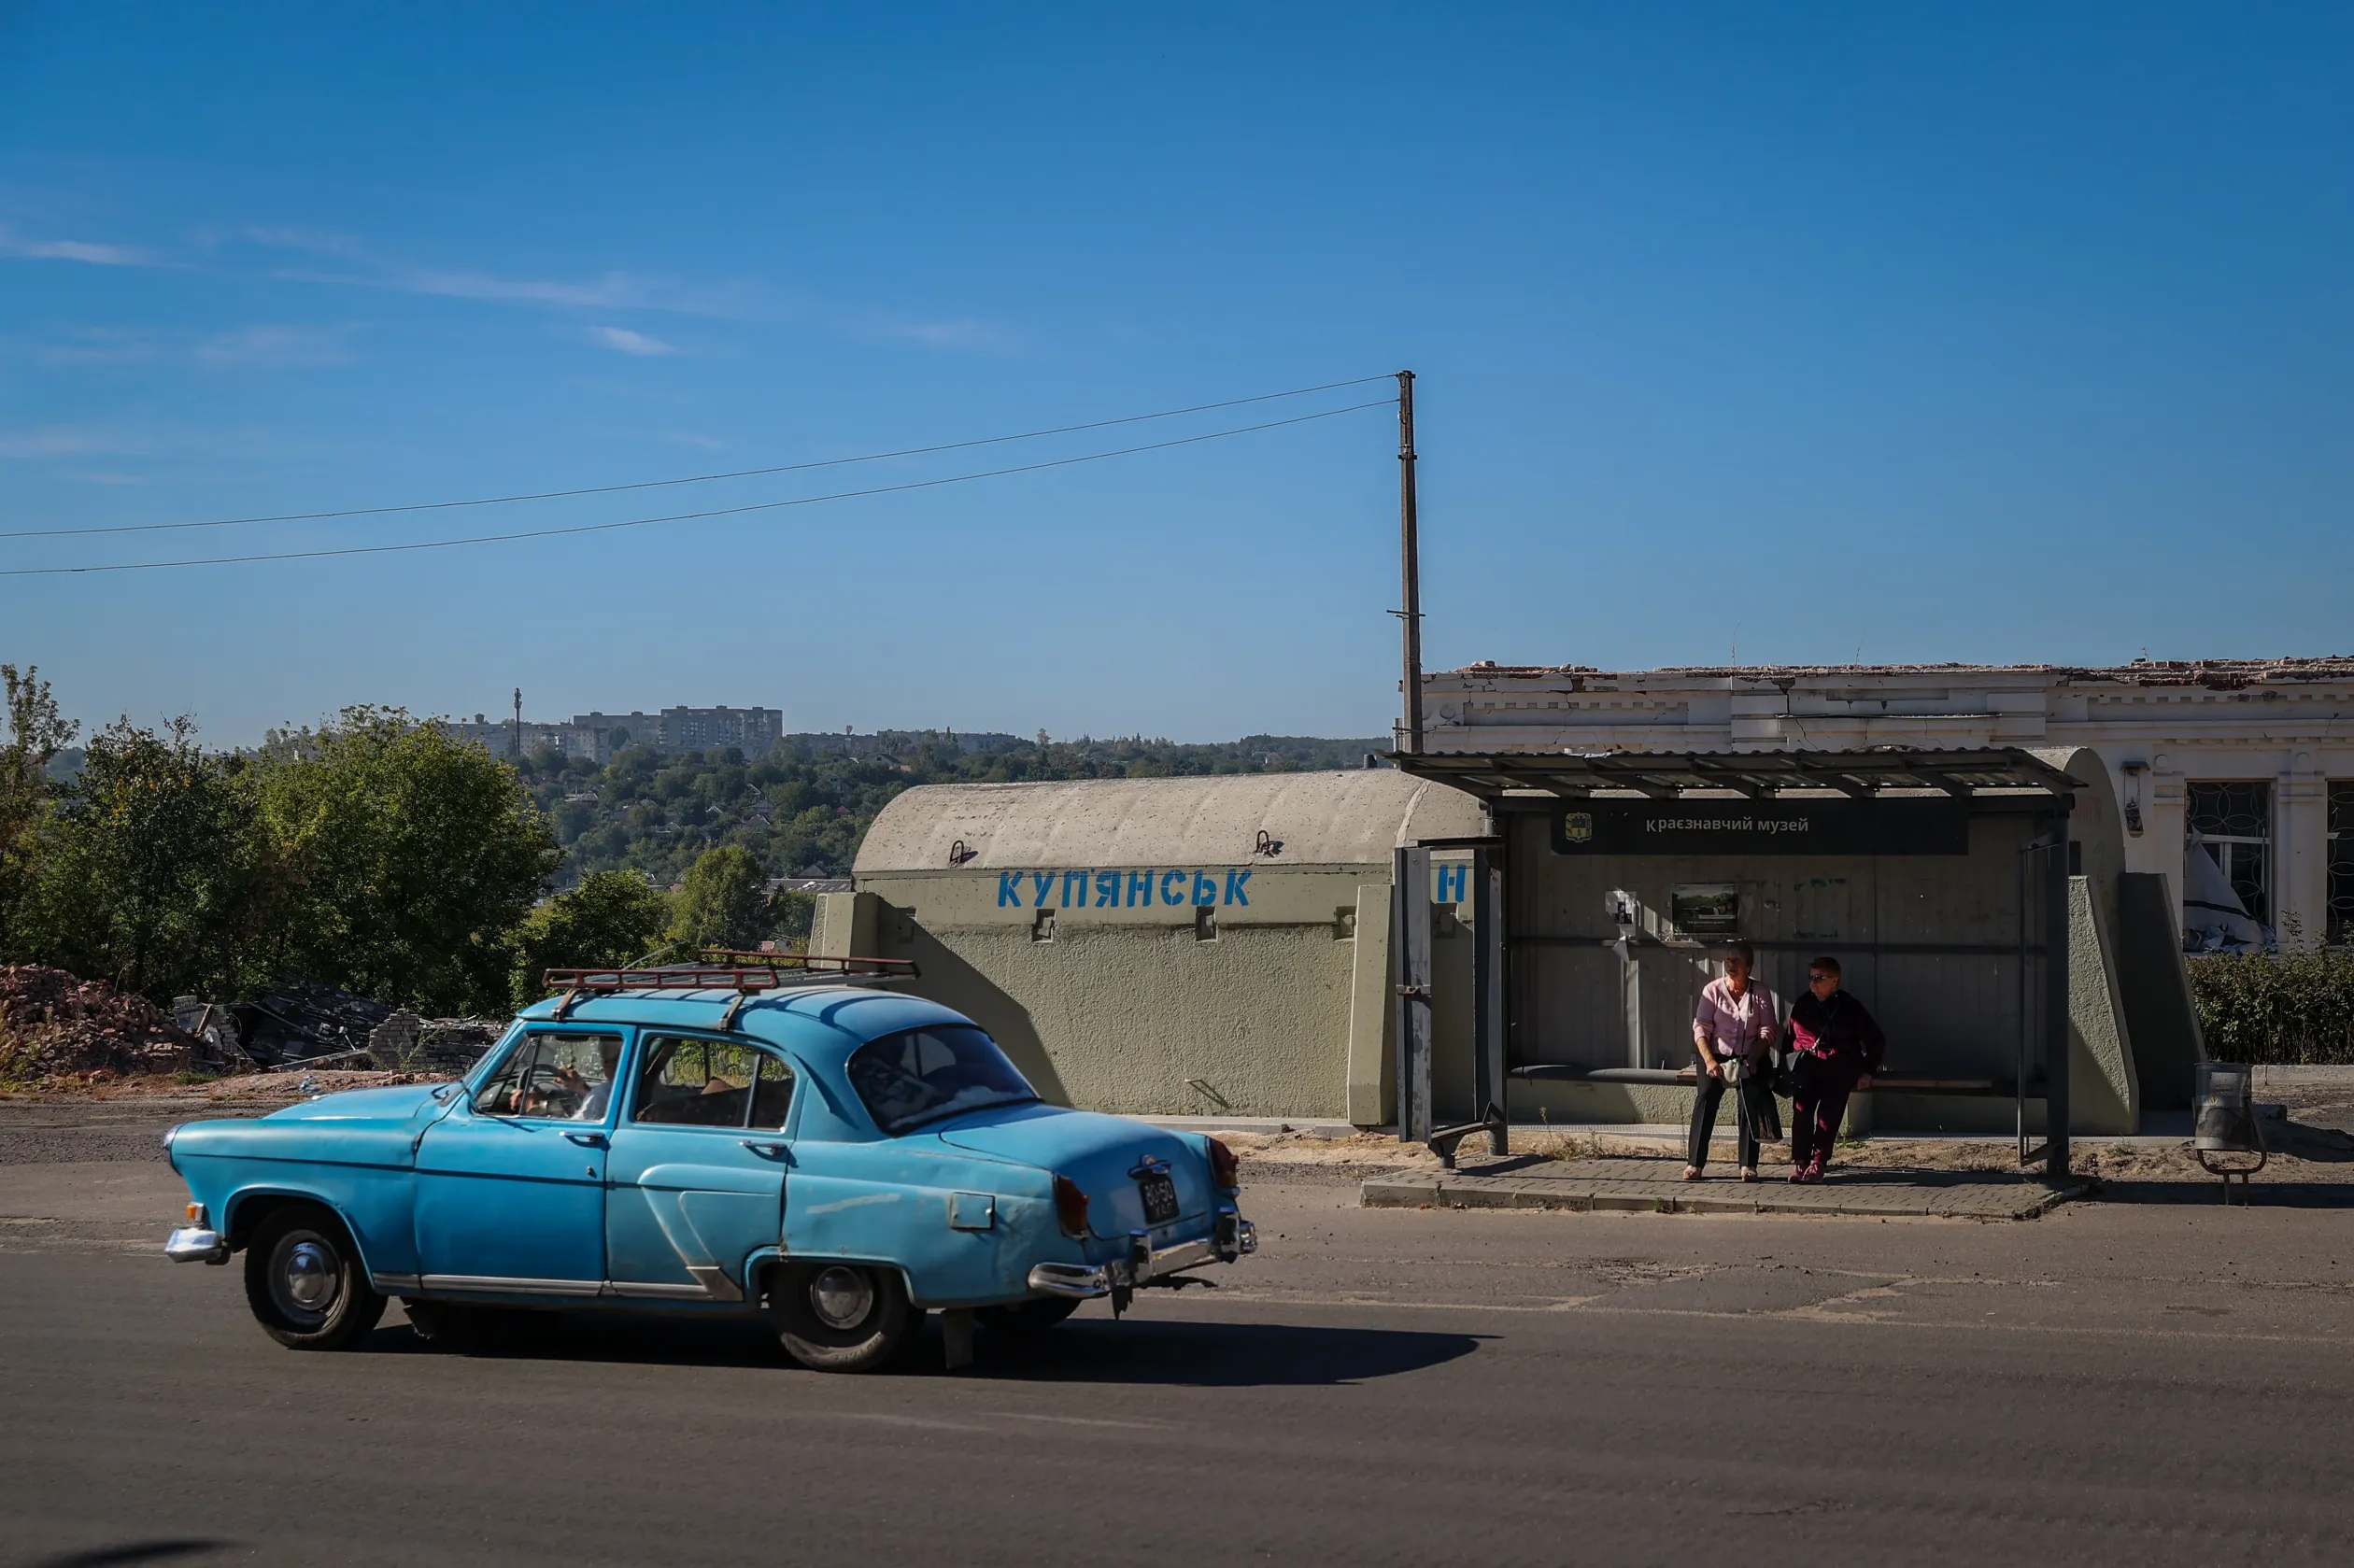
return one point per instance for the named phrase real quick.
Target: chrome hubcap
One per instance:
(841, 1297)
(308, 1277)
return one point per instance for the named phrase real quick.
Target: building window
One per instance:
(2233, 824)
(2341, 912)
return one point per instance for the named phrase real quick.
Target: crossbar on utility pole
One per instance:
(1410, 563)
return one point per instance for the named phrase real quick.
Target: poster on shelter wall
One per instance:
(1707, 909)
(1703, 828)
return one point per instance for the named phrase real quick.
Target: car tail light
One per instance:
(1224, 1169)
(1071, 1206)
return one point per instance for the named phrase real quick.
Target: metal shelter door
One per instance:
(1413, 991)
(1410, 990)
(1488, 1081)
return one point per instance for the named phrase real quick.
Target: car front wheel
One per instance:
(304, 1281)
(841, 1317)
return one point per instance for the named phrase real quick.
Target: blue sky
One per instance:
(1918, 332)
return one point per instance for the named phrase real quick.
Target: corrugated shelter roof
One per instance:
(1753, 773)
(1352, 818)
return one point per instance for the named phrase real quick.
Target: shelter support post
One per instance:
(2059, 1053)
(1410, 989)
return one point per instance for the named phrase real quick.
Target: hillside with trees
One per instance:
(801, 810)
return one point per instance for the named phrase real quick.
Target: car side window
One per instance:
(689, 1081)
(565, 1074)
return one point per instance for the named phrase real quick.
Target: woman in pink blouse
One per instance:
(1733, 1032)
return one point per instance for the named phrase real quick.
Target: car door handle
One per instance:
(767, 1149)
(587, 1140)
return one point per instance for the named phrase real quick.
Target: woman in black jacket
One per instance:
(1835, 1048)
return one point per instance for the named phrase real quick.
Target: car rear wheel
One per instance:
(841, 1317)
(304, 1282)
(1027, 1319)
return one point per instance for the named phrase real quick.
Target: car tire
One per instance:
(305, 1283)
(1027, 1319)
(841, 1317)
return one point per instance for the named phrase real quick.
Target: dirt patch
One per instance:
(270, 1088)
(58, 1029)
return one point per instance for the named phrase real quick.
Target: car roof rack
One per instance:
(747, 974)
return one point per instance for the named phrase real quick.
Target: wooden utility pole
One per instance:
(1410, 563)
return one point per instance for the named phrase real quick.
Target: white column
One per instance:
(2301, 852)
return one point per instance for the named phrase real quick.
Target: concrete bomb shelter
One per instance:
(1976, 901)
(1191, 946)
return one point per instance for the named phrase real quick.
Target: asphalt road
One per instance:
(2136, 1383)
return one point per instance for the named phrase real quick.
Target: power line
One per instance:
(690, 479)
(685, 517)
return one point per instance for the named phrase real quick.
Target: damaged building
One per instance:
(2235, 777)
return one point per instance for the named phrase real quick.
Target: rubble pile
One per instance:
(54, 1026)
(446, 1044)
(298, 1022)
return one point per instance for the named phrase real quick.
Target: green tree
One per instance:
(723, 902)
(152, 871)
(36, 735)
(612, 917)
(416, 854)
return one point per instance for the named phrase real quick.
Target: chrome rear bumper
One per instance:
(1230, 1239)
(193, 1244)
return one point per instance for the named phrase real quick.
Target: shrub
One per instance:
(612, 917)
(2290, 1008)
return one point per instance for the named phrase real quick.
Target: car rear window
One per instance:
(925, 1075)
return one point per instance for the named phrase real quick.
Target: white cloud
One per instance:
(274, 348)
(75, 251)
(343, 261)
(627, 342)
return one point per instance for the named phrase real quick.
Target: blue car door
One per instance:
(697, 1166)
(511, 1184)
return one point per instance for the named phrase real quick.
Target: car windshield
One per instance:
(923, 1075)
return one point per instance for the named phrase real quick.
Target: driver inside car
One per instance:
(596, 1096)
(591, 1097)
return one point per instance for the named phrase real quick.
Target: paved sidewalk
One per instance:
(1653, 1186)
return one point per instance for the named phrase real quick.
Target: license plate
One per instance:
(1160, 1198)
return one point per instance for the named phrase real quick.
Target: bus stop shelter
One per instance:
(1954, 886)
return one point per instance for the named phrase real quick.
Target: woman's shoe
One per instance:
(1797, 1174)
(1749, 1173)
(1692, 1173)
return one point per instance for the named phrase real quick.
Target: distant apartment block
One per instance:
(599, 736)
(751, 731)
(693, 729)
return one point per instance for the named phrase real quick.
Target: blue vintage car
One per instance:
(837, 1158)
